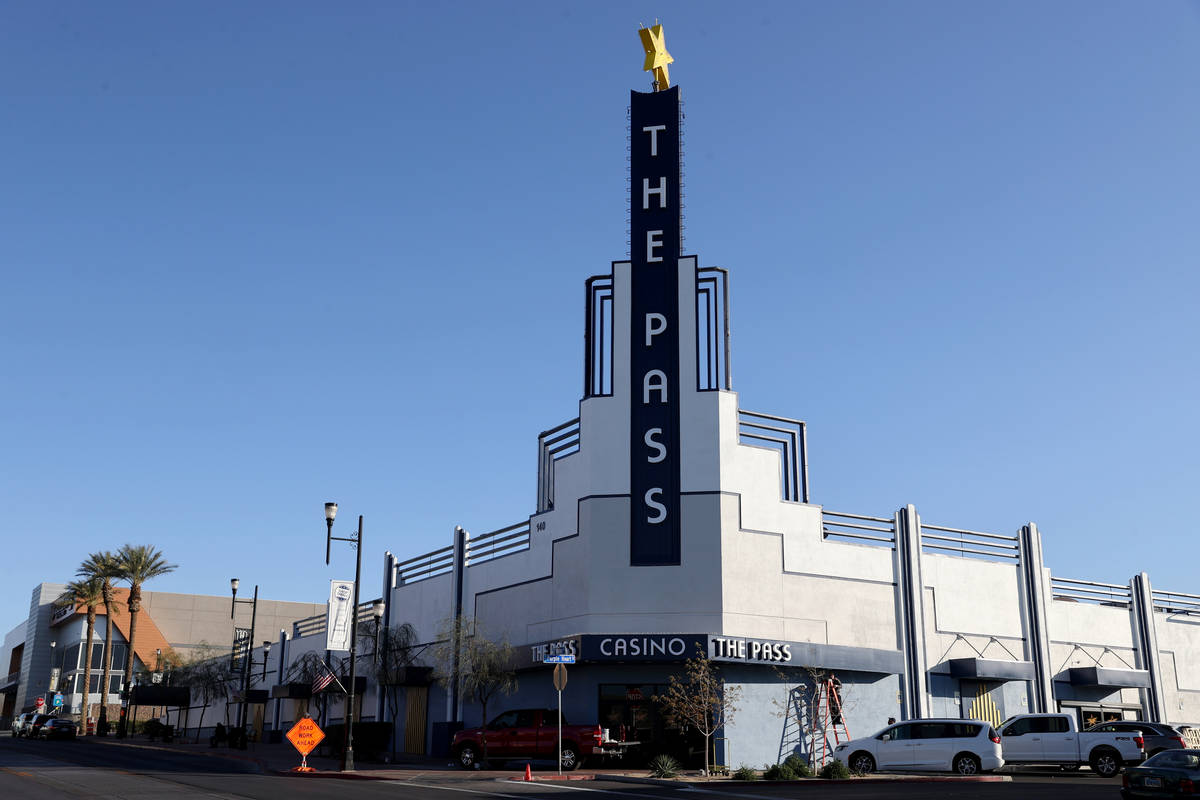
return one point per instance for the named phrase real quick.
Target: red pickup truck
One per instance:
(532, 733)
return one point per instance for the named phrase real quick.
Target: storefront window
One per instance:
(630, 713)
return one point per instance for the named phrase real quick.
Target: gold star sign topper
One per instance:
(657, 57)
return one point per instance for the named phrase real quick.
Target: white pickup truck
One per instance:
(1054, 739)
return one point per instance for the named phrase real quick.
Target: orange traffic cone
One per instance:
(528, 773)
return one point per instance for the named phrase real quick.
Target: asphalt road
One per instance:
(83, 769)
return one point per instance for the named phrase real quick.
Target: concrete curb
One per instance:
(345, 776)
(876, 779)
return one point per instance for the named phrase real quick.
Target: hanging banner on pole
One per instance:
(337, 620)
(241, 644)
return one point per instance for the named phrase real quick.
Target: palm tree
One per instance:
(138, 564)
(88, 592)
(102, 566)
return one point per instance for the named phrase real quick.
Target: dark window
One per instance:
(1175, 758)
(965, 730)
(629, 713)
(506, 720)
(1057, 725)
(526, 719)
(71, 658)
(930, 730)
(1019, 728)
(899, 733)
(118, 656)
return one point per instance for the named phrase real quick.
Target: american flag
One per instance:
(321, 681)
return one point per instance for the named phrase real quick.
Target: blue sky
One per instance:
(257, 257)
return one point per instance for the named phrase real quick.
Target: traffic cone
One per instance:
(528, 773)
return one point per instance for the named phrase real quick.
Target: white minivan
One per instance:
(965, 746)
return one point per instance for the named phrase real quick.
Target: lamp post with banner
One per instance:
(243, 639)
(356, 543)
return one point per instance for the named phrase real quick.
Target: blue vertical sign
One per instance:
(654, 328)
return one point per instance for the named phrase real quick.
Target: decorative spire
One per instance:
(657, 57)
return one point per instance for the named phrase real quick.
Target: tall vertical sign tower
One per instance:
(654, 322)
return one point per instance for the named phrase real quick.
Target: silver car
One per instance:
(965, 746)
(22, 722)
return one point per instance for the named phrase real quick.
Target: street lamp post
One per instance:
(233, 585)
(356, 543)
(52, 684)
(377, 610)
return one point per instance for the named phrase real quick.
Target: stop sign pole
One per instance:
(560, 683)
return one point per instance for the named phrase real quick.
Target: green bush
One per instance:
(745, 773)
(664, 766)
(835, 770)
(798, 765)
(780, 772)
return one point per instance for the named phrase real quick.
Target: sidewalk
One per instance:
(279, 759)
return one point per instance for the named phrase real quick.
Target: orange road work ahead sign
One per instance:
(305, 735)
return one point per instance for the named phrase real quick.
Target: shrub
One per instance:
(744, 773)
(835, 770)
(780, 772)
(798, 765)
(663, 766)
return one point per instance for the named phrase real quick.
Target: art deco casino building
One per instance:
(668, 518)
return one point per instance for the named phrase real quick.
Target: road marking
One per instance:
(681, 788)
(457, 789)
(562, 785)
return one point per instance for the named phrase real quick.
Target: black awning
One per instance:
(1109, 676)
(412, 676)
(159, 695)
(294, 691)
(991, 669)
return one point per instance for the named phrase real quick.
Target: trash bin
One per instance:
(443, 734)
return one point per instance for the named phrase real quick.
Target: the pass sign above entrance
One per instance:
(561, 659)
(305, 735)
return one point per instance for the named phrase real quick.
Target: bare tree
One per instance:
(700, 698)
(481, 669)
(392, 657)
(306, 669)
(206, 673)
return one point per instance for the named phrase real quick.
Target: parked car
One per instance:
(35, 725)
(57, 728)
(1171, 773)
(1191, 734)
(532, 733)
(965, 746)
(1054, 739)
(1156, 735)
(21, 722)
